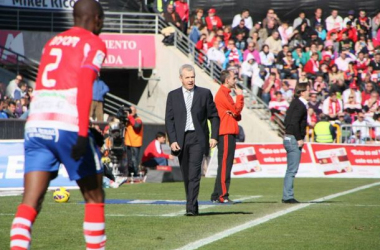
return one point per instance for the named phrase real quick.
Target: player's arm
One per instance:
(89, 70)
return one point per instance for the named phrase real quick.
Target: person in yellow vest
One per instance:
(160, 6)
(324, 132)
(133, 140)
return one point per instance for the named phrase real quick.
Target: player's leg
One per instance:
(35, 184)
(40, 167)
(94, 221)
(88, 173)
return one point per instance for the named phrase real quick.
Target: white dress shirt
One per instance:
(186, 93)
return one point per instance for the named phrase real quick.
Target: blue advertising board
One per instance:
(12, 167)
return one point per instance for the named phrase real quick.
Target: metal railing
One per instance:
(113, 103)
(18, 64)
(125, 22)
(369, 134)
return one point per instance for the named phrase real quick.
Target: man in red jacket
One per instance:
(182, 8)
(213, 21)
(154, 155)
(312, 66)
(229, 114)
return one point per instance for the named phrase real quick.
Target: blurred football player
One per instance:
(57, 127)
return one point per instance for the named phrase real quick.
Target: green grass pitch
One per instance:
(351, 221)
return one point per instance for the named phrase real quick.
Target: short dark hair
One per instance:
(11, 103)
(224, 75)
(160, 134)
(300, 87)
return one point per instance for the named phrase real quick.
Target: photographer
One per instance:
(133, 138)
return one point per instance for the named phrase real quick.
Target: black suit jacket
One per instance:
(202, 109)
(296, 119)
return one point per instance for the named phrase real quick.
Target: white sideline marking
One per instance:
(205, 241)
(10, 193)
(182, 212)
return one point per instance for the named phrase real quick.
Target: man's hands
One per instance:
(175, 147)
(238, 91)
(79, 149)
(213, 143)
(300, 143)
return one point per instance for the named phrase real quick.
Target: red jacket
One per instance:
(214, 22)
(352, 34)
(224, 103)
(309, 67)
(183, 10)
(151, 152)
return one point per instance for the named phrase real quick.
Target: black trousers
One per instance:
(190, 160)
(226, 155)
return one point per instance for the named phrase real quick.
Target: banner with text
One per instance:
(317, 160)
(40, 4)
(12, 167)
(130, 51)
(123, 50)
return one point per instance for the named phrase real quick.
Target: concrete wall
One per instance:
(168, 62)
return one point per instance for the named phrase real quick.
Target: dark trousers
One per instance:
(154, 162)
(226, 154)
(133, 159)
(190, 160)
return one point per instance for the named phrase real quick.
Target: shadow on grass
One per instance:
(222, 213)
(322, 202)
(257, 202)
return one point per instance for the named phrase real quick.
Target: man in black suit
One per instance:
(187, 110)
(295, 131)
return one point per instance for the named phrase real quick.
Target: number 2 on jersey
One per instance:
(46, 82)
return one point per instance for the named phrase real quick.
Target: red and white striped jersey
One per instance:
(54, 103)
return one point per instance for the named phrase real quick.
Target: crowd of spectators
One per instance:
(338, 54)
(15, 98)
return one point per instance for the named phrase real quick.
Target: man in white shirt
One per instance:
(216, 55)
(249, 68)
(279, 105)
(361, 124)
(332, 106)
(247, 19)
(301, 17)
(352, 90)
(344, 59)
(334, 22)
(12, 86)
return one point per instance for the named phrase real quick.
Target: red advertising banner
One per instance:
(317, 160)
(357, 155)
(123, 51)
(273, 154)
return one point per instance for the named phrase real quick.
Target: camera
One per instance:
(122, 114)
(116, 165)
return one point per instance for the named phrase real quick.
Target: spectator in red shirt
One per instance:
(362, 62)
(366, 93)
(213, 21)
(312, 66)
(182, 8)
(271, 85)
(154, 155)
